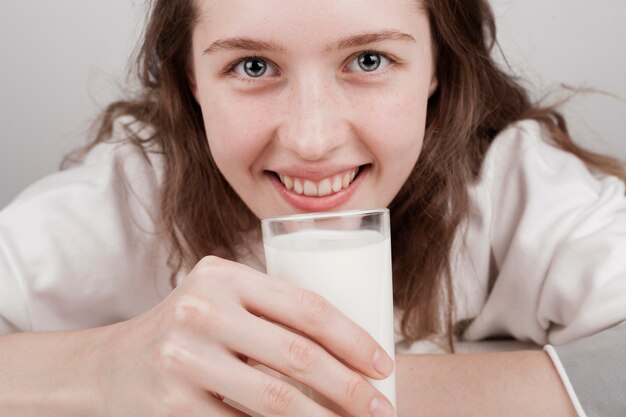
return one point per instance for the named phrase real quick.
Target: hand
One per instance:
(189, 352)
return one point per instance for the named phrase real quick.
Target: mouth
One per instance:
(327, 186)
(323, 194)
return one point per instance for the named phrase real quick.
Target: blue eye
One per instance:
(368, 62)
(254, 68)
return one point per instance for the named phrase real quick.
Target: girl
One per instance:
(501, 225)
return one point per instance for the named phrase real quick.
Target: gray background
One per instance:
(63, 60)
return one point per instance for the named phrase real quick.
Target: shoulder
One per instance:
(117, 165)
(524, 170)
(527, 179)
(525, 154)
(547, 236)
(86, 239)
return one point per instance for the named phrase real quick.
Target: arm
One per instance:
(492, 384)
(50, 374)
(553, 268)
(183, 356)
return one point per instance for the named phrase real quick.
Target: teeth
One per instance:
(337, 185)
(323, 188)
(287, 181)
(345, 180)
(310, 188)
(297, 186)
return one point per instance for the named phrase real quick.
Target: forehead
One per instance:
(305, 21)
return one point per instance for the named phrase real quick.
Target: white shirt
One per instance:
(81, 247)
(541, 257)
(544, 258)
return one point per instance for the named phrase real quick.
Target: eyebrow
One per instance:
(233, 44)
(243, 43)
(367, 38)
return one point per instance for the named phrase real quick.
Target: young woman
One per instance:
(501, 225)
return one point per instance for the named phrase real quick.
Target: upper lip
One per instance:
(314, 174)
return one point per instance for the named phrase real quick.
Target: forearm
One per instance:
(50, 374)
(495, 384)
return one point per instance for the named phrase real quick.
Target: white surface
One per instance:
(63, 60)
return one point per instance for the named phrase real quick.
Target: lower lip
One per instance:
(310, 204)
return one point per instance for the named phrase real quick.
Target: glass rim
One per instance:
(324, 215)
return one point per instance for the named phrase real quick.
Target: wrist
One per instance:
(51, 374)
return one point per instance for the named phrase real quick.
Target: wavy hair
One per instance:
(475, 100)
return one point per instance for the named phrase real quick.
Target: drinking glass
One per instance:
(346, 258)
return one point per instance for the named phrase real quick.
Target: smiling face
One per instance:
(313, 105)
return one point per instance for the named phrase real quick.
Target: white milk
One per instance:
(351, 269)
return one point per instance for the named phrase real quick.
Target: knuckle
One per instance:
(277, 398)
(354, 386)
(170, 356)
(194, 313)
(302, 355)
(215, 274)
(208, 265)
(316, 308)
(209, 261)
(188, 309)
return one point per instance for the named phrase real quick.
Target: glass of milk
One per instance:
(346, 258)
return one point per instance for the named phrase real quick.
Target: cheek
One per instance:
(395, 127)
(237, 133)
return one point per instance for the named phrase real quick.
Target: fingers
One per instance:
(199, 405)
(270, 396)
(305, 361)
(220, 305)
(207, 406)
(218, 408)
(256, 391)
(312, 315)
(299, 309)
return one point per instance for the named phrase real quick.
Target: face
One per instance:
(313, 105)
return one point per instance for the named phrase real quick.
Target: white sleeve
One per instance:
(557, 236)
(554, 268)
(13, 312)
(80, 248)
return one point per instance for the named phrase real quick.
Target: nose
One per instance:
(313, 125)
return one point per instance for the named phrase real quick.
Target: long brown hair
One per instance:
(475, 100)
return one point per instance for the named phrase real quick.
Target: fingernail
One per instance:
(382, 362)
(381, 408)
